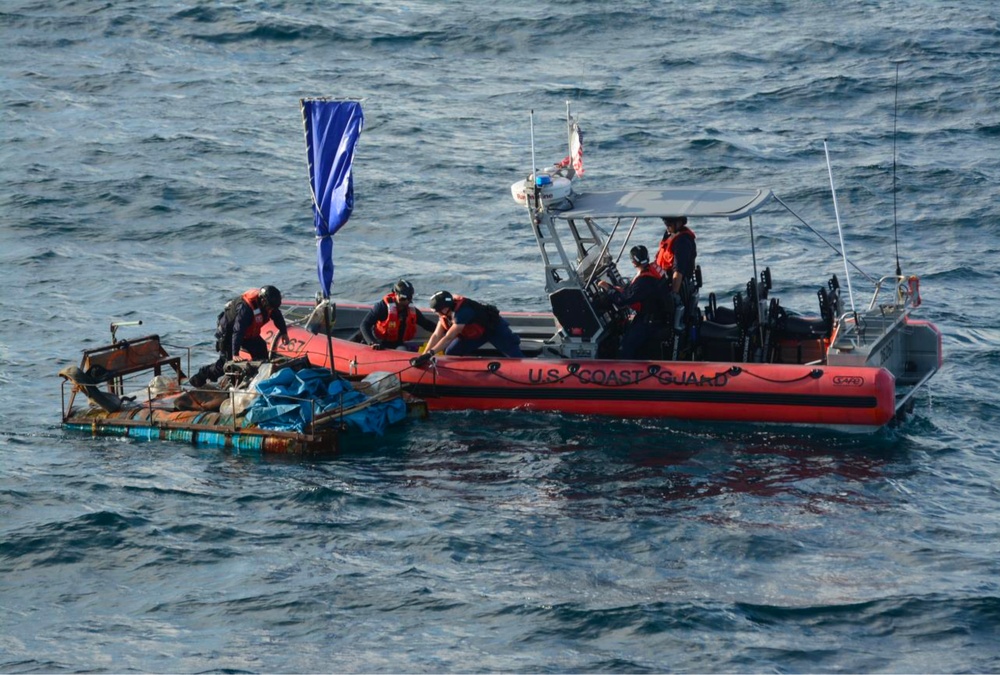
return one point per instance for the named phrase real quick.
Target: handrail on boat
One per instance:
(907, 291)
(907, 297)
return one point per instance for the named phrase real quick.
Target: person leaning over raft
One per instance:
(392, 321)
(676, 258)
(239, 327)
(465, 325)
(646, 295)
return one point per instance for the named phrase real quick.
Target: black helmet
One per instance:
(404, 289)
(271, 297)
(639, 255)
(442, 299)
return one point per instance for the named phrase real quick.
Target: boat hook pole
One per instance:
(840, 231)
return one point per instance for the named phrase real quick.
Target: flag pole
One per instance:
(569, 135)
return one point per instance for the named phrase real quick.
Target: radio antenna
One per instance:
(895, 226)
(840, 230)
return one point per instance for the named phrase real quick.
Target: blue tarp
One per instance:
(332, 131)
(276, 408)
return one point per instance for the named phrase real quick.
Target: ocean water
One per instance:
(152, 165)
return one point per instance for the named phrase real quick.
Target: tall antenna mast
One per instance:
(534, 173)
(531, 121)
(840, 231)
(895, 227)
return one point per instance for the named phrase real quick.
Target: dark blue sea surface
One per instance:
(152, 165)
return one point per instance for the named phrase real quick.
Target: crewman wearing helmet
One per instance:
(465, 325)
(393, 320)
(238, 328)
(647, 296)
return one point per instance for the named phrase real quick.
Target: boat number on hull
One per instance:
(628, 376)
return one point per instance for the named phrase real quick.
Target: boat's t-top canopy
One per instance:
(574, 246)
(693, 202)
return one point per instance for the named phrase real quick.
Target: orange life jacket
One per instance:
(389, 328)
(260, 315)
(665, 256)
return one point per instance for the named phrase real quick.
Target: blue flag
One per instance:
(332, 130)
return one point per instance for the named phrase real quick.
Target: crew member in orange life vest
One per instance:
(677, 253)
(676, 258)
(465, 325)
(239, 327)
(393, 320)
(646, 295)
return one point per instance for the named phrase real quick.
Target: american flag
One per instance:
(576, 147)
(575, 157)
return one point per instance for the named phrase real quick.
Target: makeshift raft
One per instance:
(284, 406)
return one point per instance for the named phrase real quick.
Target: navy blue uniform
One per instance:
(649, 291)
